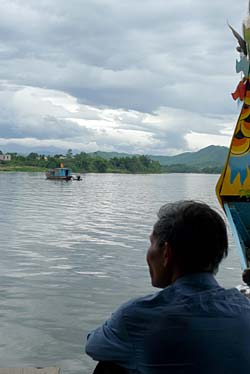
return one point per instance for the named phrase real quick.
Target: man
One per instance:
(246, 276)
(191, 326)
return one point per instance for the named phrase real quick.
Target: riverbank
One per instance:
(170, 170)
(43, 170)
(7, 168)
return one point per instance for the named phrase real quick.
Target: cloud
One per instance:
(51, 119)
(102, 74)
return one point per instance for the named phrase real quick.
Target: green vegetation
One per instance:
(183, 168)
(244, 193)
(81, 163)
(211, 156)
(209, 160)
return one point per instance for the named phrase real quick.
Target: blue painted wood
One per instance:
(239, 230)
(59, 173)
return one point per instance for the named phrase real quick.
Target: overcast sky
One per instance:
(135, 76)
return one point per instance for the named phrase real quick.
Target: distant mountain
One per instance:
(109, 155)
(207, 157)
(211, 156)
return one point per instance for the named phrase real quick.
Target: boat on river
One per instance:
(233, 187)
(60, 173)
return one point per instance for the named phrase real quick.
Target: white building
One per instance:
(5, 157)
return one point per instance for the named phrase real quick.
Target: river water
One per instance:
(71, 252)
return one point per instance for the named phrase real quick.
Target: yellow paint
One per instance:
(239, 151)
(245, 128)
(228, 189)
(244, 113)
(239, 146)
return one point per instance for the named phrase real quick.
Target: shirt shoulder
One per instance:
(233, 295)
(145, 303)
(139, 301)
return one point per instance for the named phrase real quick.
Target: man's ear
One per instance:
(167, 254)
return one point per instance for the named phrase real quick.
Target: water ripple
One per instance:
(72, 252)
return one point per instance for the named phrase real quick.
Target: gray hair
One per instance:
(196, 233)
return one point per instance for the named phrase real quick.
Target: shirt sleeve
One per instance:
(110, 342)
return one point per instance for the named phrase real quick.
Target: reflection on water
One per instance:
(73, 251)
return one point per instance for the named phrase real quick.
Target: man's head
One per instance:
(188, 237)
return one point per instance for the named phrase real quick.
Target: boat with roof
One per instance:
(60, 173)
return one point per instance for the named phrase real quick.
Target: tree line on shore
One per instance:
(85, 163)
(91, 163)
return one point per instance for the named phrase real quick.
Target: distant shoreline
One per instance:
(22, 168)
(34, 169)
(209, 160)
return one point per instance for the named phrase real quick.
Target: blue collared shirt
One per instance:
(193, 326)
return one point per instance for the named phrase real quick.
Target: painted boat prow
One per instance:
(233, 186)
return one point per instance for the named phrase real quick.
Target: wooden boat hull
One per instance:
(233, 187)
(59, 178)
(238, 216)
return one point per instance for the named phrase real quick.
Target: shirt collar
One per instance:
(202, 279)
